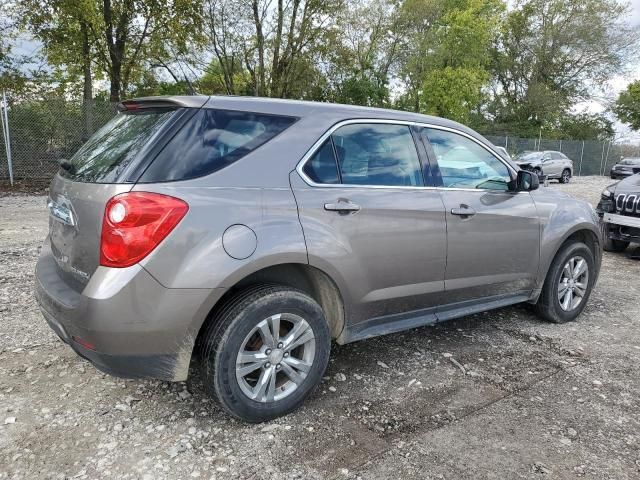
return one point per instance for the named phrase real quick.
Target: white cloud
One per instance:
(634, 17)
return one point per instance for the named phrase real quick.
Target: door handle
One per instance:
(342, 207)
(464, 211)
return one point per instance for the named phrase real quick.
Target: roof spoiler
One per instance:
(177, 101)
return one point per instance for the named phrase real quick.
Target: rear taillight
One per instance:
(134, 224)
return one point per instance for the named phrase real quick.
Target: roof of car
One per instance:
(296, 108)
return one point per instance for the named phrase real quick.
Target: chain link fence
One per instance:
(45, 131)
(590, 157)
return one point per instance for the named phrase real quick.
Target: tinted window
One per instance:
(211, 140)
(377, 154)
(630, 161)
(465, 164)
(114, 146)
(557, 156)
(322, 168)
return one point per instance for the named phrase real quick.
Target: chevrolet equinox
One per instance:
(248, 233)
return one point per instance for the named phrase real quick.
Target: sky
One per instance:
(617, 84)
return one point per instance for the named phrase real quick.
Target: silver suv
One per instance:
(548, 163)
(248, 233)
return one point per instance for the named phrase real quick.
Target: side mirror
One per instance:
(527, 181)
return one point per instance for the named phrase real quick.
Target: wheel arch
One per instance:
(584, 233)
(301, 276)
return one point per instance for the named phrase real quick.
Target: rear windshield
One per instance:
(630, 161)
(112, 148)
(211, 140)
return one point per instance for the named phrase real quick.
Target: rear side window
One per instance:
(377, 154)
(322, 168)
(211, 140)
(112, 148)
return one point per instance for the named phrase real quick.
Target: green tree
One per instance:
(453, 86)
(119, 37)
(444, 62)
(362, 51)
(585, 127)
(627, 107)
(454, 92)
(273, 42)
(552, 54)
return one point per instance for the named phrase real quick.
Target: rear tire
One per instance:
(265, 323)
(611, 245)
(566, 176)
(553, 297)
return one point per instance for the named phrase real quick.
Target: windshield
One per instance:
(529, 156)
(112, 148)
(630, 161)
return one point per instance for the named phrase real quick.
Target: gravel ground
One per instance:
(496, 395)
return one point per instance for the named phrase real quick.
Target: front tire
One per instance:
(568, 285)
(611, 245)
(264, 352)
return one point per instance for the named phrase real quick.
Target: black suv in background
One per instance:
(619, 209)
(625, 167)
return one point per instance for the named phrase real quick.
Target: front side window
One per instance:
(211, 140)
(377, 154)
(465, 164)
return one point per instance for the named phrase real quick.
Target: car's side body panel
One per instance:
(560, 217)
(391, 254)
(206, 252)
(495, 251)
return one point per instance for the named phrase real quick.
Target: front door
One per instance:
(493, 234)
(369, 222)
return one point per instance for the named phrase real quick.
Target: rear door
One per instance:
(368, 220)
(493, 234)
(558, 163)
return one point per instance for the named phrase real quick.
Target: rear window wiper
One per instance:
(67, 165)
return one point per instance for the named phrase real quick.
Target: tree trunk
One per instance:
(114, 90)
(260, 87)
(116, 49)
(87, 95)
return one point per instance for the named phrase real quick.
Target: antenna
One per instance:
(190, 89)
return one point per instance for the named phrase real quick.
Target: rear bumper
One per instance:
(162, 367)
(620, 174)
(124, 321)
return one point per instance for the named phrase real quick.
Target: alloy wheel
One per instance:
(573, 283)
(275, 357)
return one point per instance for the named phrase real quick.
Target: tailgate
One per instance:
(75, 222)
